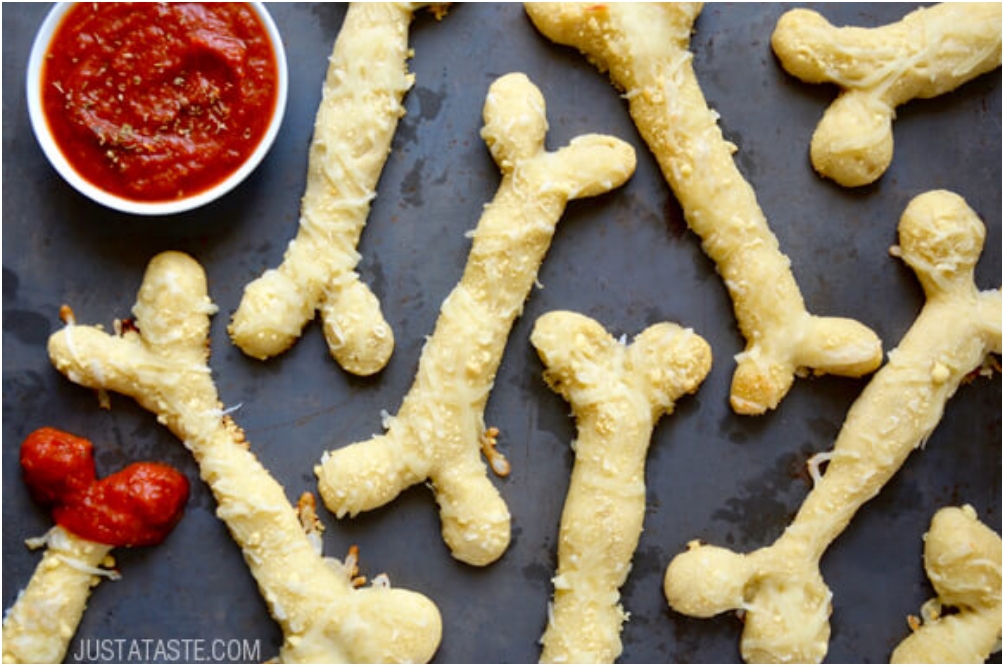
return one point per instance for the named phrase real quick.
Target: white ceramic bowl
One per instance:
(45, 138)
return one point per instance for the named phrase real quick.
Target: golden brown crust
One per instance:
(496, 459)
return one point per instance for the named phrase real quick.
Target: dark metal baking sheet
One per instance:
(625, 259)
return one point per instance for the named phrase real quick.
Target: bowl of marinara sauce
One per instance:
(156, 108)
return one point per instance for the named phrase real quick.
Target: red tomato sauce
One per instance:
(137, 506)
(158, 101)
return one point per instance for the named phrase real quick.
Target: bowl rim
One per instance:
(40, 126)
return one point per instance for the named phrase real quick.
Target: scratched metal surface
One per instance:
(626, 259)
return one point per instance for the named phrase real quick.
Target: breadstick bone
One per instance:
(38, 628)
(962, 557)
(137, 506)
(779, 586)
(617, 394)
(438, 431)
(361, 103)
(644, 48)
(927, 53)
(163, 365)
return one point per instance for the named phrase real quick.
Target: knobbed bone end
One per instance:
(853, 143)
(788, 617)
(672, 360)
(759, 383)
(514, 120)
(591, 165)
(786, 607)
(959, 549)
(358, 336)
(962, 557)
(366, 475)
(565, 342)
(706, 580)
(323, 618)
(476, 521)
(173, 306)
(379, 625)
(794, 38)
(928, 52)
(941, 239)
(270, 316)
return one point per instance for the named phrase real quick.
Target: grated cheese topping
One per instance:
(439, 432)
(617, 392)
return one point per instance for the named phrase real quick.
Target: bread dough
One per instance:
(361, 103)
(438, 431)
(786, 602)
(618, 393)
(644, 46)
(162, 363)
(38, 628)
(962, 557)
(929, 52)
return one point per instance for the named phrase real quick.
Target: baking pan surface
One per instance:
(626, 259)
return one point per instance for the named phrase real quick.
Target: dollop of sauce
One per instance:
(56, 465)
(136, 506)
(158, 101)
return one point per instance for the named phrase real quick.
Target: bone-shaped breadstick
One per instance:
(366, 81)
(928, 52)
(137, 506)
(644, 47)
(786, 603)
(39, 626)
(617, 394)
(163, 365)
(440, 425)
(962, 557)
